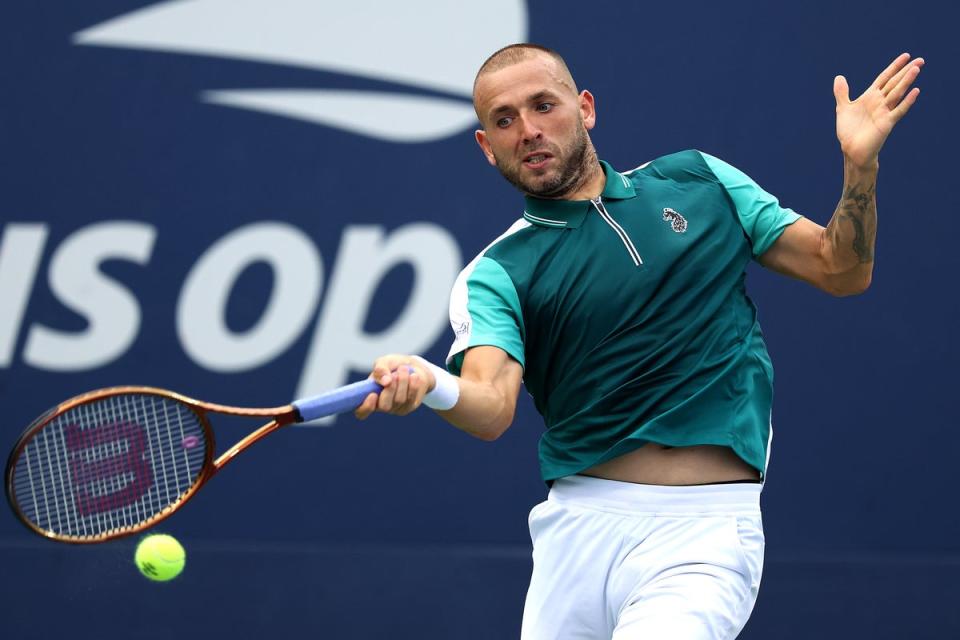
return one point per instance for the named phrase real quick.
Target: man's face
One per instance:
(535, 126)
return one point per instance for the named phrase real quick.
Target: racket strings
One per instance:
(109, 464)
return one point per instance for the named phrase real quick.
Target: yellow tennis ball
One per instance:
(160, 557)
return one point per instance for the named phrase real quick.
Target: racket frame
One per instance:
(277, 416)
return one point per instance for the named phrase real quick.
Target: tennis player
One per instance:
(618, 298)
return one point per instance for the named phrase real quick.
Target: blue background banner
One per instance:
(248, 201)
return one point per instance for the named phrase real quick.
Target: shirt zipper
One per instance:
(632, 250)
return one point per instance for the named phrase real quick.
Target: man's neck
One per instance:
(593, 182)
(591, 188)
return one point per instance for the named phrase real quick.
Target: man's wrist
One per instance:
(446, 389)
(855, 170)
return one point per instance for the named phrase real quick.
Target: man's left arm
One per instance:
(838, 258)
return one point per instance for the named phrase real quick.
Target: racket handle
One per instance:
(336, 401)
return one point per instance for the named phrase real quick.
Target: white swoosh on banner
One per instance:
(427, 44)
(385, 116)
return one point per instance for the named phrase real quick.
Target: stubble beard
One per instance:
(567, 179)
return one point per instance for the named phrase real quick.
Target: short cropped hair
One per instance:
(514, 53)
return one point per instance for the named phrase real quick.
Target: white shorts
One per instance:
(623, 561)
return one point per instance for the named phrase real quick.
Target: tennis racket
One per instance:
(112, 462)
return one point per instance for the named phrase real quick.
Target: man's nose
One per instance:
(530, 129)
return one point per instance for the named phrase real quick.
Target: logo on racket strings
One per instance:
(107, 466)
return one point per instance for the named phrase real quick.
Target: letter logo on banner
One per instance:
(21, 248)
(201, 312)
(112, 312)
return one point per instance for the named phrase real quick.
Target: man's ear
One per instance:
(588, 109)
(481, 137)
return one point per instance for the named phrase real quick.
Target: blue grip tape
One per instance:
(336, 401)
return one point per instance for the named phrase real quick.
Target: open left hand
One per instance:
(864, 124)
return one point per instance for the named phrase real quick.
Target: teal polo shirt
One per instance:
(629, 313)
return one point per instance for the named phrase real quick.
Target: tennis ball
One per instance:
(160, 557)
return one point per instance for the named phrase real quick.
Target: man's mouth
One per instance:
(536, 159)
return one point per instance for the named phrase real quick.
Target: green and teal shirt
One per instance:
(629, 313)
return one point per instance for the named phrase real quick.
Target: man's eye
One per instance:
(504, 122)
(543, 107)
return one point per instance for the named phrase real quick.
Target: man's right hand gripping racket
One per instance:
(112, 462)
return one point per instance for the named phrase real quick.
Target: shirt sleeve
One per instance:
(485, 311)
(761, 216)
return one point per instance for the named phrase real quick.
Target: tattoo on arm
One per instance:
(859, 207)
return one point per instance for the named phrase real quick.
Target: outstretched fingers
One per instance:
(902, 81)
(902, 108)
(896, 79)
(898, 63)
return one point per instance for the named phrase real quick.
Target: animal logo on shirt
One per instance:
(677, 222)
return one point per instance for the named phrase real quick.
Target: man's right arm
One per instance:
(489, 384)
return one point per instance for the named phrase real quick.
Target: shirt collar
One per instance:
(561, 214)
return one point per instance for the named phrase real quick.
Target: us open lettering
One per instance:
(112, 310)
